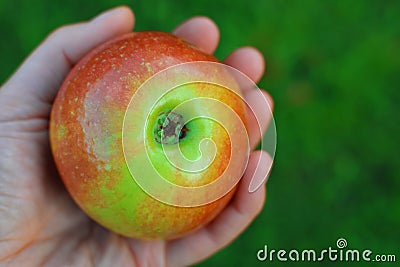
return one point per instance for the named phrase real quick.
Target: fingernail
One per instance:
(257, 182)
(106, 14)
(261, 174)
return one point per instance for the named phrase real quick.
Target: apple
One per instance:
(112, 131)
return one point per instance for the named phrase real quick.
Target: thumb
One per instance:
(42, 73)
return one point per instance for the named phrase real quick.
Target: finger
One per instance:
(230, 223)
(249, 61)
(262, 171)
(200, 31)
(259, 114)
(43, 71)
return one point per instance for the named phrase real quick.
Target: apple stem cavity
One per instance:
(170, 128)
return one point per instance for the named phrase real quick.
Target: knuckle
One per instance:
(62, 31)
(58, 32)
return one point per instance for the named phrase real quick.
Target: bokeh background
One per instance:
(333, 68)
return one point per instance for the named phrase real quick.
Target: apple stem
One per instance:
(169, 128)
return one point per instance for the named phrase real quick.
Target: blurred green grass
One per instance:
(333, 68)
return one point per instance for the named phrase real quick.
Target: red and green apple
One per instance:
(88, 140)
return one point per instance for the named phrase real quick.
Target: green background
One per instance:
(333, 68)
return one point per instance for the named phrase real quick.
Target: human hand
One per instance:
(39, 223)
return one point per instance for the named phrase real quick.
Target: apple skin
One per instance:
(86, 140)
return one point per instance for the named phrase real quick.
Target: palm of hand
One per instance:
(39, 224)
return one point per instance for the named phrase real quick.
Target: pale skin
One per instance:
(39, 223)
